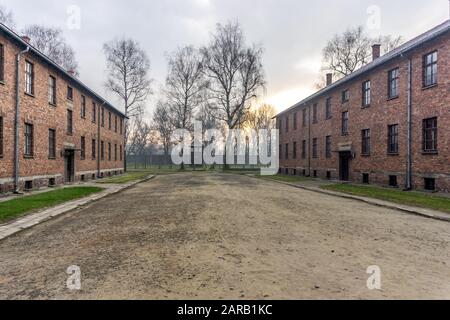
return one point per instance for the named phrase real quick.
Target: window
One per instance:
(366, 178)
(430, 184)
(430, 69)
(295, 121)
(393, 181)
(29, 78)
(304, 118)
(109, 151)
(393, 79)
(2, 62)
(315, 173)
(52, 143)
(1, 137)
(345, 123)
(280, 125)
(294, 150)
(365, 142)
(286, 155)
(120, 153)
(52, 90)
(328, 109)
(314, 149)
(328, 147)
(51, 182)
(115, 152)
(94, 112)
(102, 150)
(109, 120)
(28, 152)
(83, 107)
(304, 149)
(83, 148)
(345, 96)
(430, 135)
(328, 175)
(315, 120)
(69, 93)
(115, 123)
(121, 126)
(393, 139)
(69, 122)
(103, 117)
(94, 150)
(28, 185)
(287, 124)
(366, 94)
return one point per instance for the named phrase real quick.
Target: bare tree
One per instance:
(128, 69)
(349, 51)
(162, 123)
(262, 117)
(51, 42)
(184, 88)
(7, 17)
(235, 74)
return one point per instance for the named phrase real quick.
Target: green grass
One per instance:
(17, 207)
(418, 199)
(285, 178)
(126, 178)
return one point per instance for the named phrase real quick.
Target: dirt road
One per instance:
(212, 236)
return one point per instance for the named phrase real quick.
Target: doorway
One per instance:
(69, 165)
(344, 166)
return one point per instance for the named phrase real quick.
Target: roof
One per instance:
(401, 50)
(48, 60)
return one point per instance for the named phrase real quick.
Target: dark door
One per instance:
(344, 166)
(69, 160)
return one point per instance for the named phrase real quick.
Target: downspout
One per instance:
(409, 134)
(99, 142)
(17, 122)
(309, 141)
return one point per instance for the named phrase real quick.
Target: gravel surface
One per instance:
(220, 236)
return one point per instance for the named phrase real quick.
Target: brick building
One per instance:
(387, 123)
(65, 131)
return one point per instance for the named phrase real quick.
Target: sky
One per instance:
(292, 32)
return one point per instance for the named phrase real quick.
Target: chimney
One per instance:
(376, 51)
(329, 79)
(26, 39)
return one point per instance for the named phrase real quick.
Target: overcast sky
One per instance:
(293, 32)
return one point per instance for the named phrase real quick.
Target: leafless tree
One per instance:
(7, 17)
(162, 124)
(185, 85)
(51, 42)
(235, 74)
(261, 117)
(128, 76)
(349, 51)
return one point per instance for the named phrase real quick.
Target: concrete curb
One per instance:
(39, 217)
(422, 212)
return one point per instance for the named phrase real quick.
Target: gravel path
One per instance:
(211, 236)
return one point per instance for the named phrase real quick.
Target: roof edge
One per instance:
(404, 48)
(19, 39)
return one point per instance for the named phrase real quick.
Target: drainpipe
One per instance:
(409, 135)
(99, 143)
(309, 141)
(17, 122)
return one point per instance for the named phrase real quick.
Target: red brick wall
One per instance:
(382, 112)
(36, 110)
